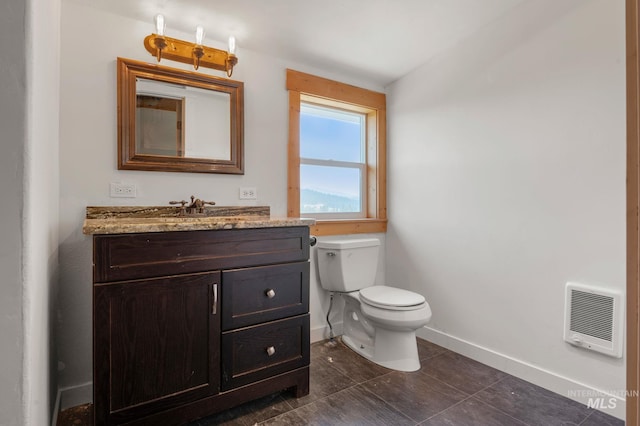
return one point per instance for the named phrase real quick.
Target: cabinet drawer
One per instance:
(256, 295)
(261, 351)
(147, 255)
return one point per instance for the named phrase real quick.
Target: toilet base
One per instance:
(396, 350)
(359, 348)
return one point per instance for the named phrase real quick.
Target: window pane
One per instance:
(331, 134)
(326, 189)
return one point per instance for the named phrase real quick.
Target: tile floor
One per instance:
(450, 389)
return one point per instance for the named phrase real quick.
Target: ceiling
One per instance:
(376, 40)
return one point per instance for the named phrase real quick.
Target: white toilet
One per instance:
(379, 322)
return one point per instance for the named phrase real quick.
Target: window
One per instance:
(332, 162)
(336, 155)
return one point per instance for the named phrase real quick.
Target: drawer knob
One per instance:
(271, 350)
(270, 293)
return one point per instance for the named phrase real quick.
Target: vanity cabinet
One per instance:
(190, 323)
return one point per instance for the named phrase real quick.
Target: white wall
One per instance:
(88, 157)
(515, 142)
(13, 125)
(40, 214)
(29, 190)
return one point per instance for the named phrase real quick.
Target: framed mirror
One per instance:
(178, 121)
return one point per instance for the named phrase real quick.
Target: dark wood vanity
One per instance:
(190, 323)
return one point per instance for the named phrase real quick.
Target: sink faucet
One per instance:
(195, 207)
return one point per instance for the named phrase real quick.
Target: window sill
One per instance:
(348, 226)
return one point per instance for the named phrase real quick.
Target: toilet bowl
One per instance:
(379, 322)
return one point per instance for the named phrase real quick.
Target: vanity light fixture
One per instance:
(196, 53)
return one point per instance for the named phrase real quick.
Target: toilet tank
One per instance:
(348, 265)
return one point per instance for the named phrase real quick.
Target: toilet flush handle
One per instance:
(331, 253)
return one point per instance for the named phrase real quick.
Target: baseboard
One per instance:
(321, 333)
(56, 409)
(71, 397)
(546, 379)
(74, 395)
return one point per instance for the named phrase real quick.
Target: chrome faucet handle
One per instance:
(183, 203)
(201, 208)
(198, 205)
(201, 203)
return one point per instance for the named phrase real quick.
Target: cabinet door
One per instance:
(156, 344)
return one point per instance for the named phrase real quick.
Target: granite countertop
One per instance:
(136, 219)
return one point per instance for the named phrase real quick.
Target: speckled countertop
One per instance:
(137, 219)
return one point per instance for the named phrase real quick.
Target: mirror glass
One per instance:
(175, 120)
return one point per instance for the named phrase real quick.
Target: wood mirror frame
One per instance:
(128, 159)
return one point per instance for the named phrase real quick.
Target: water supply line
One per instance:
(331, 341)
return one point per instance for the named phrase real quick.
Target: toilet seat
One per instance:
(391, 298)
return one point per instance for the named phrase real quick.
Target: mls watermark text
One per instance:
(602, 400)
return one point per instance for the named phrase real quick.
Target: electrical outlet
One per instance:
(248, 193)
(123, 190)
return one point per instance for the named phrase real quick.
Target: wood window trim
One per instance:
(328, 92)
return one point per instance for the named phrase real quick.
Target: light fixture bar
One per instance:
(183, 51)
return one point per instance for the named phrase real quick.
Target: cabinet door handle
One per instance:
(214, 307)
(271, 350)
(270, 293)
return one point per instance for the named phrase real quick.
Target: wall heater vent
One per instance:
(594, 319)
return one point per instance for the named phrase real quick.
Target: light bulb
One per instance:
(160, 25)
(232, 45)
(199, 35)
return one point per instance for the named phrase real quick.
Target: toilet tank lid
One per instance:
(385, 296)
(348, 244)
